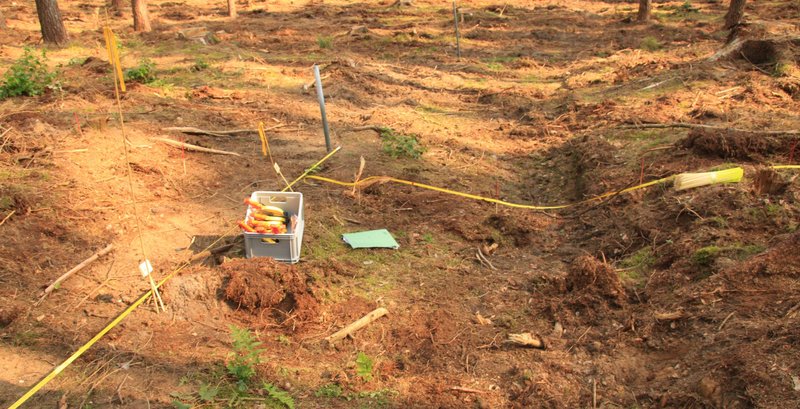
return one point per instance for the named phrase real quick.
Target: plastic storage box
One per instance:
(281, 247)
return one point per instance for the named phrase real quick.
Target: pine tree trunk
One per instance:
(2, 21)
(117, 6)
(53, 30)
(735, 13)
(644, 10)
(232, 9)
(141, 20)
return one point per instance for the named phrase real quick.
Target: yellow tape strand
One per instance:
(374, 179)
(264, 142)
(58, 369)
(378, 179)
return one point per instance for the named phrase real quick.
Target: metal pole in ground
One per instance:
(321, 98)
(458, 35)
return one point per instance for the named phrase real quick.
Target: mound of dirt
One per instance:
(730, 144)
(588, 274)
(264, 284)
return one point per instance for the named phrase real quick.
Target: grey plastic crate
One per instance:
(287, 246)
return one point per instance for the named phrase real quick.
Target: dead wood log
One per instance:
(357, 325)
(190, 147)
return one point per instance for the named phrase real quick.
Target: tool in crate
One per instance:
(267, 219)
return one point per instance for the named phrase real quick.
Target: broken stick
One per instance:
(357, 325)
(77, 268)
(525, 339)
(190, 147)
(197, 131)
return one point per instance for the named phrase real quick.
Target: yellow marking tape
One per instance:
(113, 55)
(380, 179)
(264, 142)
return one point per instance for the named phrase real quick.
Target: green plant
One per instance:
(706, 256)
(650, 44)
(637, 265)
(199, 65)
(278, 395)
(76, 61)
(397, 145)
(28, 76)
(330, 390)
(325, 41)
(284, 340)
(427, 238)
(364, 366)
(236, 383)
(245, 356)
(143, 73)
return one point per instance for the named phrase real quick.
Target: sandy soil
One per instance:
(654, 299)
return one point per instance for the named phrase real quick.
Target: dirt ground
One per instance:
(653, 299)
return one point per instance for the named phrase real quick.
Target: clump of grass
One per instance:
(330, 390)
(650, 44)
(325, 42)
(143, 73)
(28, 76)
(706, 256)
(399, 145)
(637, 265)
(199, 65)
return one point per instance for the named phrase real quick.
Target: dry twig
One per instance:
(357, 325)
(75, 269)
(190, 147)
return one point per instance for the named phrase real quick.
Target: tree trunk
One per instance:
(232, 8)
(117, 6)
(644, 10)
(2, 21)
(53, 30)
(141, 20)
(735, 13)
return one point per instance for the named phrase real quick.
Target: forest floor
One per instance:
(653, 299)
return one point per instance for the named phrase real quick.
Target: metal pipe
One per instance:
(321, 98)
(458, 35)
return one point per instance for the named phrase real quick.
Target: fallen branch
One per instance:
(466, 390)
(190, 147)
(8, 216)
(75, 269)
(483, 260)
(208, 253)
(376, 128)
(197, 131)
(701, 126)
(526, 340)
(357, 325)
(668, 316)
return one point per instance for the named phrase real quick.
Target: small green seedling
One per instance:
(28, 76)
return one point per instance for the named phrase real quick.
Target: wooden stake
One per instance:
(77, 268)
(357, 325)
(191, 147)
